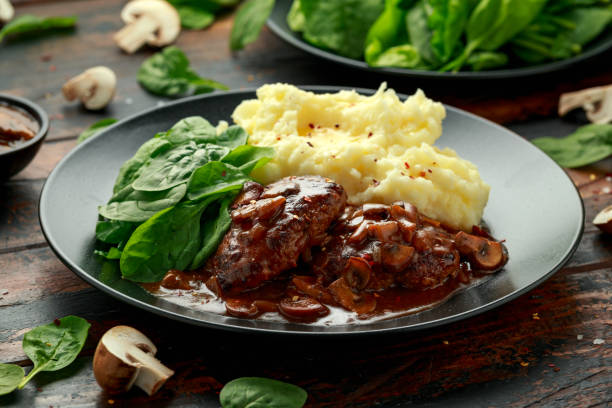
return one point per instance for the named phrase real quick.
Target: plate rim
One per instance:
(320, 330)
(522, 72)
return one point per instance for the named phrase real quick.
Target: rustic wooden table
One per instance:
(506, 357)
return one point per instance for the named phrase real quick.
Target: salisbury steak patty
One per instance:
(271, 228)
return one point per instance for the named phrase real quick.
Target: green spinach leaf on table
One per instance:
(54, 346)
(28, 23)
(196, 14)
(256, 392)
(10, 377)
(167, 73)
(587, 145)
(95, 128)
(249, 20)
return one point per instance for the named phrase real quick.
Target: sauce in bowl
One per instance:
(16, 127)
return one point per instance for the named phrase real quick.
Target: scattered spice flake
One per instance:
(422, 174)
(250, 78)
(551, 365)
(375, 182)
(46, 57)
(598, 341)
(429, 170)
(434, 163)
(310, 125)
(535, 316)
(402, 173)
(592, 177)
(52, 68)
(48, 344)
(318, 126)
(524, 363)
(376, 295)
(412, 177)
(580, 337)
(223, 173)
(375, 160)
(370, 134)
(445, 342)
(278, 138)
(407, 165)
(309, 144)
(337, 125)
(57, 322)
(111, 401)
(333, 156)
(556, 369)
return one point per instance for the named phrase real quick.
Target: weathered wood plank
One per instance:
(336, 372)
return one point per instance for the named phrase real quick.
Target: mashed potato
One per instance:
(377, 147)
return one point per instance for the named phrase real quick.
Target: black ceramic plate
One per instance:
(533, 205)
(278, 24)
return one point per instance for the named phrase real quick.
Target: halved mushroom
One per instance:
(125, 357)
(603, 220)
(597, 103)
(153, 22)
(359, 303)
(95, 87)
(357, 273)
(6, 11)
(483, 253)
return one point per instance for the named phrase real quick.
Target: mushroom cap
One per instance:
(603, 220)
(124, 357)
(160, 10)
(6, 11)
(95, 87)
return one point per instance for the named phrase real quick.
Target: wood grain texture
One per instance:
(507, 357)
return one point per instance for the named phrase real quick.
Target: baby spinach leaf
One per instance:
(249, 158)
(137, 206)
(54, 346)
(216, 223)
(113, 253)
(29, 23)
(447, 20)
(130, 170)
(493, 23)
(196, 14)
(388, 30)
(420, 33)
(340, 26)
(168, 240)
(256, 392)
(401, 56)
(586, 145)
(95, 128)
(175, 166)
(113, 231)
(10, 377)
(482, 60)
(250, 18)
(214, 178)
(295, 17)
(167, 73)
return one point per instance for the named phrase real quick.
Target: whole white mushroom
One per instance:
(6, 11)
(95, 87)
(153, 22)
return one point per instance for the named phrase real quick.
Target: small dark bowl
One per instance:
(13, 160)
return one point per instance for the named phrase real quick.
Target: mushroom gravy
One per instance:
(16, 127)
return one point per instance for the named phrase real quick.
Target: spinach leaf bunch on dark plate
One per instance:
(169, 208)
(450, 35)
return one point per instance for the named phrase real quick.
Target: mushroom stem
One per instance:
(134, 35)
(597, 103)
(152, 374)
(6, 11)
(94, 87)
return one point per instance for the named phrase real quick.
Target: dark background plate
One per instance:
(278, 24)
(533, 205)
